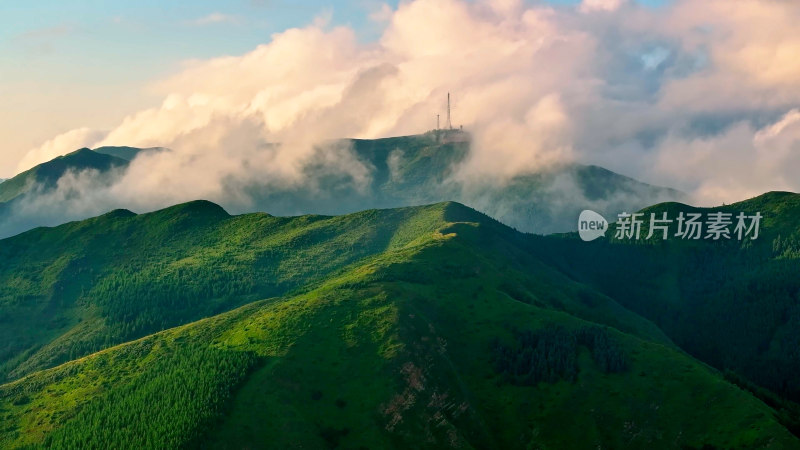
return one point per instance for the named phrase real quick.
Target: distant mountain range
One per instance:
(44, 177)
(420, 327)
(408, 170)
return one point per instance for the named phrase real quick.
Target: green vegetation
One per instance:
(551, 354)
(84, 286)
(732, 304)
(422, 327)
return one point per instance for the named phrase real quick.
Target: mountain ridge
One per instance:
(46, 175)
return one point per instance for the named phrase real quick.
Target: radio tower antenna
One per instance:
(449, 124)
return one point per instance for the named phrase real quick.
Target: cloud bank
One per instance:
(698, 95)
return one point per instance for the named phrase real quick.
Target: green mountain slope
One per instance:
(732, 304)
(80, 287)
(450, 333)
(45, 176)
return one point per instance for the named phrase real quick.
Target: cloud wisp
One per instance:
(215, 18)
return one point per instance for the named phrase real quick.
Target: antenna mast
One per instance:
(449, 124)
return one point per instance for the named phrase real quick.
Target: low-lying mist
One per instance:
(343, 176)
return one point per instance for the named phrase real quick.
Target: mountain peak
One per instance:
(195, 209)
(125, 152)
(770, 197)
(458, 212)
(119, 214)
(81, 151)
(48, 173)
(81, 154)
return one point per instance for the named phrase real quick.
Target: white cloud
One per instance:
(215, 18)
(587, 6)
(381, 13)
(739, 163)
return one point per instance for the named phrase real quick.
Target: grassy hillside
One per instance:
(448, 332)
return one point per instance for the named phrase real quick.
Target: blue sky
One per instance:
(133, 39)
(122, 41)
